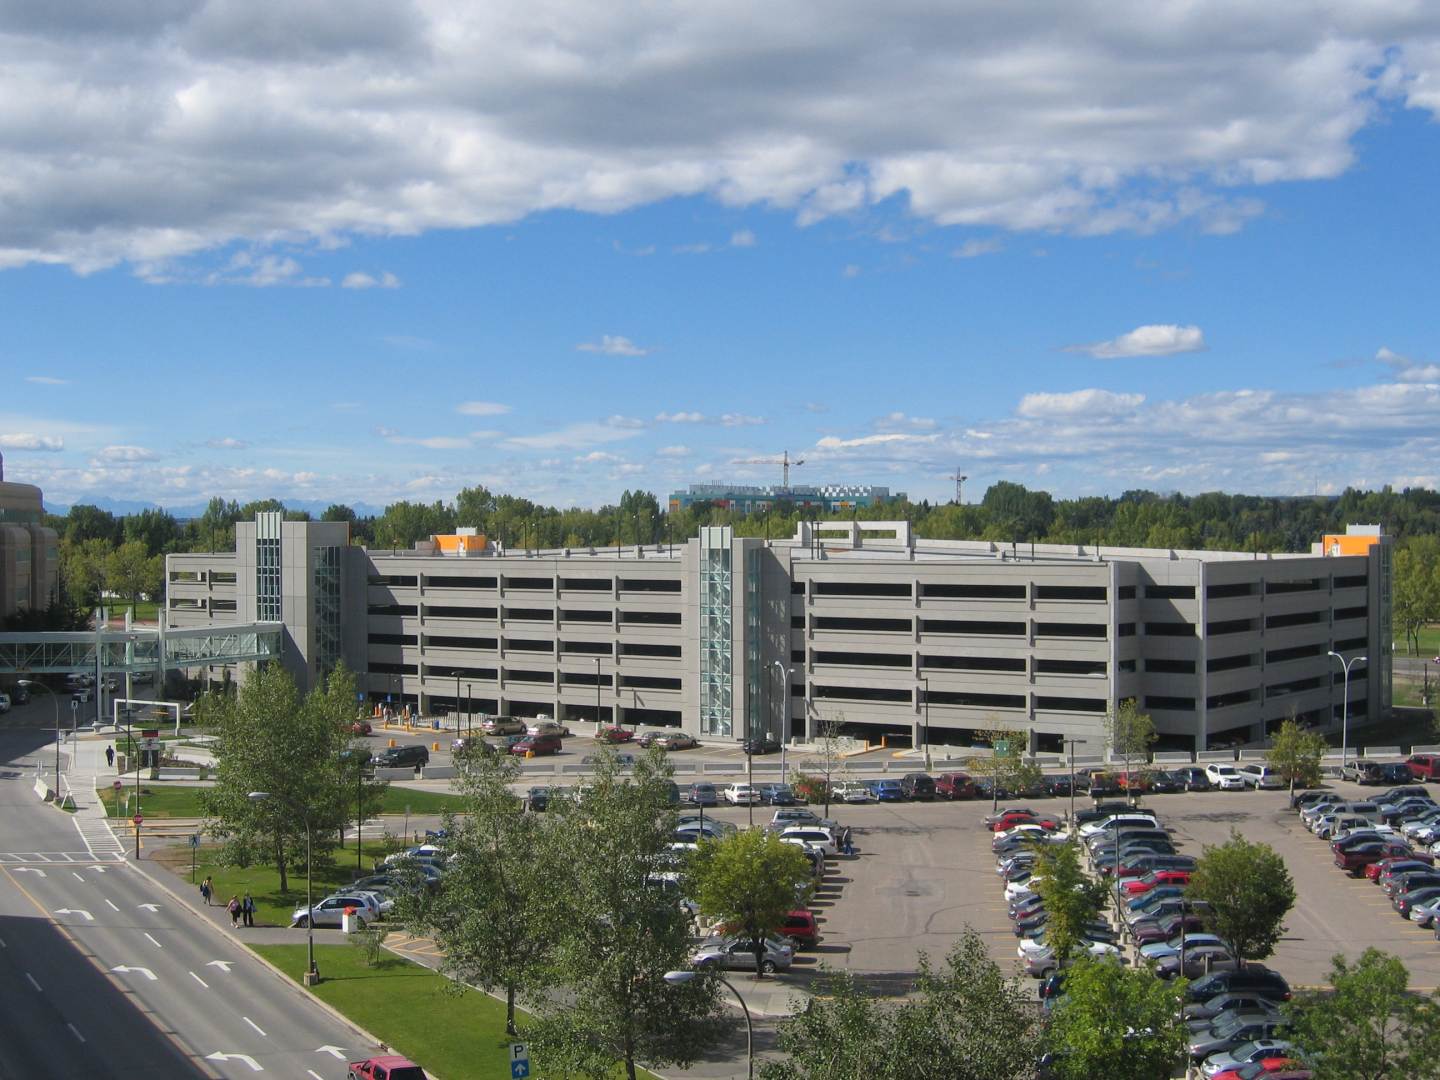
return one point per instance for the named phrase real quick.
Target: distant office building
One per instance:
(856, 623)
(29, 552)
(747, 499)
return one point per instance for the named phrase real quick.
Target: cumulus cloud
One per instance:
(25, 440)
(226, 443)
(831, 442)
(126, 453)
(46, 380)
(361, 280)
(1406, 369)
(973, 249)
(674, 451)
(572, 437)
(731, 419)
(613, 346)
(680, 417)
(1154, 340)
(482, 408)
(1079, 403)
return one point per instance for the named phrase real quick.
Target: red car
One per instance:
(954, 785)
(1141, 885)
(1354, 860)
(1273, 1068)
(1421, 859)
(388, 1067)
(1021, 817)
(799, 926)
(360, 727)
(537, 746)
(614, 735)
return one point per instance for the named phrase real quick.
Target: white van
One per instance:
(1261, 777)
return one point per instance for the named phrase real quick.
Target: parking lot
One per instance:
(924, 871)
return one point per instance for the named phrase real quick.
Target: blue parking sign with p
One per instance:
(519, 1061)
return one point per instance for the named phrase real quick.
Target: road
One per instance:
(105, 973)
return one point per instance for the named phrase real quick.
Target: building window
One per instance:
(267, 567)
(716, 635)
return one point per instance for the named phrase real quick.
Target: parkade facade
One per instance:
(858, 623)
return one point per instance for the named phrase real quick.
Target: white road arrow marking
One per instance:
(333, 1051)
(152, 908)
(254, 1025)
(137, 971)
(30, 870)
(75, 911)
(223, 965)
(218, 1056)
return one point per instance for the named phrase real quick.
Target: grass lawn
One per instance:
(272, 907)
(155, 802)
(420, 802)
(145, 610)
(455, 1036)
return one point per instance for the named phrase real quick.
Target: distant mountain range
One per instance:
(121, 507)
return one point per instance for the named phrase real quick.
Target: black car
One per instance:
(399, 757)
(1166, 783)
(1252, 977)
(1192, 778)
(537, 799)
(761, 744)
(918, 785)
(1059, 786)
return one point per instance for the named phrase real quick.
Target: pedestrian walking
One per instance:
(848, 843)
(110, 756)
(206, 889)
(247, 909)
(234, 908)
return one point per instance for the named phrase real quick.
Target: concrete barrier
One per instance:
(43, 790)
(1382, 751)
(395, 774)
(1434, 748)
(1173, 757)
(1214, 755)
(177, 774)
(437, 772)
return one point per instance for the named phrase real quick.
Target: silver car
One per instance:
(733, 954)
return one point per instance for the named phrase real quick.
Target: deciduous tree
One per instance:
(1006, 766)
(748, 880)
(1116, 1022)
(1296, 753)
(1249, 893)
(1072, 899)
(1129, 733)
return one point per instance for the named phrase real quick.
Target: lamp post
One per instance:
(597, 695)
(312, 973)
(680, 978)
(925, 682)
(1345, 666)
(785, 675)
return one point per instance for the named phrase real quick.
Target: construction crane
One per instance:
(783, 460)
(959, 479)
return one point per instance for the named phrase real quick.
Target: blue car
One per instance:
(888, 790)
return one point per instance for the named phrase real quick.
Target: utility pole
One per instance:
(959, 479)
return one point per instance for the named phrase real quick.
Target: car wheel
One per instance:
(303, 921)
(767, 967)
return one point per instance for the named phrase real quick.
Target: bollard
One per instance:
(434, 746)
(392, 742)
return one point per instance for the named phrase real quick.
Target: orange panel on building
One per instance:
(1348, 544)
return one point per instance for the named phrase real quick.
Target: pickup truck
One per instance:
(388, 1067)
(1354, 860)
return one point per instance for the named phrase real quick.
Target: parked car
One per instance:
(798, 927)
(954, 785)
(547, 727)
(502, 725)
(1009, 816)
(468, 745)
(537, 746)
(853, 791)
(612, 735)
(777, 794)
(918, 786)
(1424, 766)
(791, 817)
(741, 795)
(1194, 777)
(761, 744)
(1361, 771)
(1251, 977)
(1058, 785)
(412, 755)
(1234, 1001)
(1225, 777)
(1266, 1068)
(329, 911)
(1353, 860)
(1232, 1031)
(1139, 886)
(1165, 782)
(677, 740)
(537, 799)
(385, 1067)
(1265, 1046)
(887, 790)
(702, 795)
(812, 836)
(732, 954)
(1258, 777)
(1415, 860)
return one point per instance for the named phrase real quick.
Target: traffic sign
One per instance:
(1002, 746)
(519, 1061)
(138, 819)
(118, 785)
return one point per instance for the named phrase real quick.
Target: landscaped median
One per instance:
(455, 1036)
(184, 802)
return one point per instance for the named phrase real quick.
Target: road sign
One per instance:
(519, 1061)
(1002, 746)
(118, 785)
(74, 705)
(138, 819)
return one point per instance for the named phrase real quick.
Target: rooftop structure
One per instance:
(748, 499)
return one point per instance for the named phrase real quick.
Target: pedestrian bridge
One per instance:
(138, 649)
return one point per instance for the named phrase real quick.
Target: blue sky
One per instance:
(368, 251)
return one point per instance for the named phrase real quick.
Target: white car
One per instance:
(1119, 821)
(819, 839)
(741, 795)
(1225, 777)
(1261, 777)
(331, 910)
(1017, 889)
(1424, 913)
(854, 792)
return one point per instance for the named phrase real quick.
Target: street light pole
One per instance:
(1345, 666)
(679, 978)
(312, 973)
(925, 682)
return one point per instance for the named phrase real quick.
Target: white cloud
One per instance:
(973, 249)
(1079, 402)
(596, 457)
(482, 408)
(691, 249)
(125, 453)
(743, 238)
(1407, 370)
(429, 442)
(577, 436)
(850, 271)
(624, 422)
(46, 380)
(227, 443)
(831, 442)
(1155, 340)
(740, 420)
(674, 451)
(28, 441)
(361, 280)
(263, 271)
(680, 417)
(613, 346)
(486, 434)
(899, 421)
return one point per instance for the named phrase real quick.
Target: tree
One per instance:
(1116, 1022)
(966, 1021)
(1072, 898)
(1006, 765)
(1371, 1027)
(825, 760)
(615, 935)
(1249, 892)
(131, 573)
(748, 880)
(492, 900)
(268, 740)
(82, 565)
(1295, 754)
(1416, 588)
(1129, 733)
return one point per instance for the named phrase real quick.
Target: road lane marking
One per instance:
(78, 877)
(75, 911)
(152, 908)
(154, 942)
(333, 1051)
(76, 1032)
(313, 1073)
(111, 903)
(254, 1025)
(123, 968)
(33, 982)
(255, 1066)
(223, 965)
(30, 870)
(201, 981)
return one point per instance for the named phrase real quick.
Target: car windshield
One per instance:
(1245, 1050)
